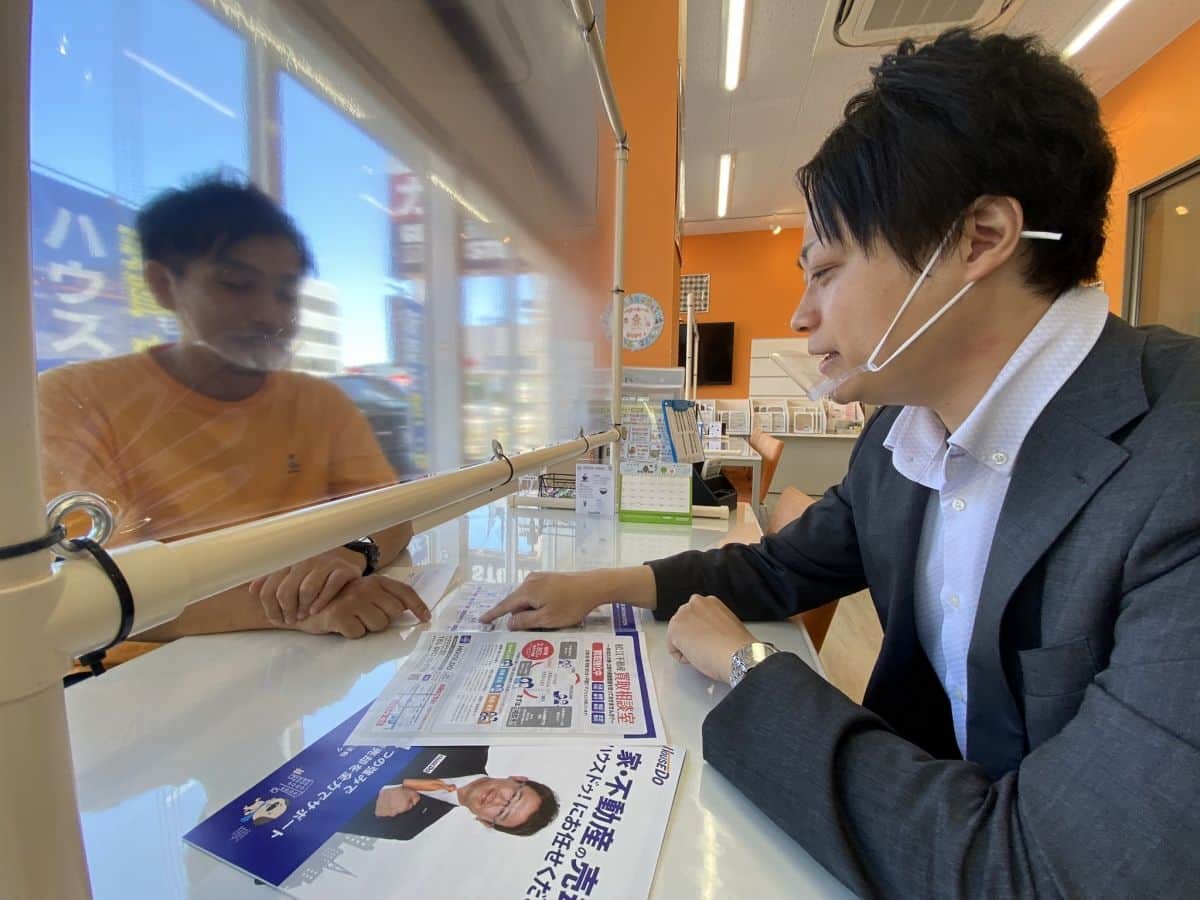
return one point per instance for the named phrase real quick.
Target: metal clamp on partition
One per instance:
(498, 453)
(97, 510)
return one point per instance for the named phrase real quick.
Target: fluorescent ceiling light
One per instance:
(1092, 28)
(179, 83)
(371, 201)
(735, 36)
(723, 184)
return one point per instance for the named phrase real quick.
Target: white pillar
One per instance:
(41, 847)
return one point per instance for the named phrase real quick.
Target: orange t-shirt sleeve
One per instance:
(358, 463)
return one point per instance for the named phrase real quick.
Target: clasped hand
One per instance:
(329, 594)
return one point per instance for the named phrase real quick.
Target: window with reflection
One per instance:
(266, 275)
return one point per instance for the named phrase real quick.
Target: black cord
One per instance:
(511, 471)
(25, 548)
(95, 659)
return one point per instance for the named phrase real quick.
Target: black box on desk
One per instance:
(714, 491)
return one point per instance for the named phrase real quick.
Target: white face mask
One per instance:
(264, 356)
(822, 389)
(251, 350)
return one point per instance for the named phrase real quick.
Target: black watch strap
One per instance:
(370, 551)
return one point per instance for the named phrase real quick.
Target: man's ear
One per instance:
(991, 235)
(161, 281)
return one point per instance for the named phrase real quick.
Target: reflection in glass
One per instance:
(453, 297)
(1170, 268)
(209, 429)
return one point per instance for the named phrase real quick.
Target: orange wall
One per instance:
(1152, 118)
(639, 39)
(754, 282)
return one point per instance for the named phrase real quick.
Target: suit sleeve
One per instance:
(811, 561)
(403, 827)
(1108, 807)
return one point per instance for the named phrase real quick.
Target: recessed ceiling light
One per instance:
(775, 229)
(1181, 210)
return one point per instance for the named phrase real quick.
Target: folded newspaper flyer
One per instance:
(468, 682)
(516, 687)
(341, 821)
(461, 609)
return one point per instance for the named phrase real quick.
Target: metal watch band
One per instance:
(746, 658)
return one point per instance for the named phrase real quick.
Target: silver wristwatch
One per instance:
(746, 658)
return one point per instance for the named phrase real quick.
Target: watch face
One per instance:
(758, 652)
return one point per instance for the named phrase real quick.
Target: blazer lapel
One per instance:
(1065, 459)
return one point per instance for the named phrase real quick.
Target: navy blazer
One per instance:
(430, 762)
(1083, 729)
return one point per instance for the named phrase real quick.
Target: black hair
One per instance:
(540, 818)
(207, 216)
(956, 119)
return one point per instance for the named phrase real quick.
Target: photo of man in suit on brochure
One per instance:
(440, 779)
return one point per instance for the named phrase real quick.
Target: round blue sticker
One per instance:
(643, 321)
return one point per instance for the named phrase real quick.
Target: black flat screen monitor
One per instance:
(715, 363)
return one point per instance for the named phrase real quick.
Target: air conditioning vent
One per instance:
(868, 23)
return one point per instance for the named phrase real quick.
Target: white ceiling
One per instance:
(796, 78)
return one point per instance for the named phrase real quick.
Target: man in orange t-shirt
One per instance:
(211, 431)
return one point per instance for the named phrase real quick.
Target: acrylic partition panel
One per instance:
(423, 271)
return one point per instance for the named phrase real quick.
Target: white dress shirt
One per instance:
(968, 473)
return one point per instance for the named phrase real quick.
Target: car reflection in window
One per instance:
(385, 406)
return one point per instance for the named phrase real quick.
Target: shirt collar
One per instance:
(996, 428)
(917, 440)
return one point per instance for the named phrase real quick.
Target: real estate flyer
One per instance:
(342, 821)
(516, 687)
(461, 609)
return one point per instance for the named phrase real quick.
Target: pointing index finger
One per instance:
(512, 603)
(407, 596)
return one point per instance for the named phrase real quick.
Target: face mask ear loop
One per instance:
(870, 363)
(873, 366)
